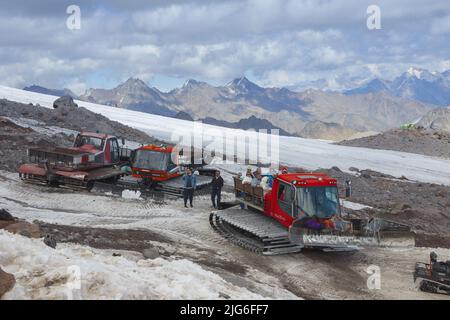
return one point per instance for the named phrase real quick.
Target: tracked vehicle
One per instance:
(433, 277)
(97, 162)
(94, 157)
(155, 169)
(302, 210)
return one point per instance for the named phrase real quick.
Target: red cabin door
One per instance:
(283, 209)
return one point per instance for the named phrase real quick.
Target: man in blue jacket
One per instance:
(190, 184)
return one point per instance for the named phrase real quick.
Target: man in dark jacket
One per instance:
(190, 184)
(216, 189)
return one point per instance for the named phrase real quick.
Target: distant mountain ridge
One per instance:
(260, 107)
(244, 124)
(51, 92)
(415, 84)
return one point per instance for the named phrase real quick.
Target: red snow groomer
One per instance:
(93, 157)
(302, 210)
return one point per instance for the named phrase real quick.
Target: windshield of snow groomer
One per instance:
(320, 202)
(151, 160)
(97, 143)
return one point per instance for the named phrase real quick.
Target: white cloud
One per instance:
(279, 42)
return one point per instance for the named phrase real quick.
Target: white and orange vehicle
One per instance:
(161, 168)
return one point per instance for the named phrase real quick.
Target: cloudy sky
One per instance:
(274, 43)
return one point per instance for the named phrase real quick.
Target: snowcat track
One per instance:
(146, 191)
(431, 286)
(69, 184)
(265, 237)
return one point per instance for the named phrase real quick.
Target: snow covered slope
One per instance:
(306, 153)
(102, 276)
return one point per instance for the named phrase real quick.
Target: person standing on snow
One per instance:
(216, 189)
(190, 184)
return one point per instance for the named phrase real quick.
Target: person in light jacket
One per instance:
(190, 184)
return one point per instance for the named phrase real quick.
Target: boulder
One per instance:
(151, 253)
(64, 102)
(5, 215)
(50, 241)
(7, 282)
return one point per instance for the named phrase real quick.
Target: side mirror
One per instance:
(123, 141)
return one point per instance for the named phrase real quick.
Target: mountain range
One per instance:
(415, 84)
(241, 103)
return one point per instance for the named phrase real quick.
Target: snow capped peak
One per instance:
(191, 83)
(242, 84)
(416, 72)
(242, 81)
(422, 74)
(134, 82)
(133, 85)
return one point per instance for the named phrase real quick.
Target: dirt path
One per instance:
(107, 222)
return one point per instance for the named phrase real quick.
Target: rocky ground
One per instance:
(15, 140)
(421, 141)
(24, 126)
(77, 119)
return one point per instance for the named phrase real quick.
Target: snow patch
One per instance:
(131, 194)
(354, 206)
(41, 127)
(44, 273)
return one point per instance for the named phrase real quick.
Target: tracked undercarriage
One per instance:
(253, 231)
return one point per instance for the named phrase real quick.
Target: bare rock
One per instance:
(50, 241)
(64, 102)
(5, 215)
(24, 228)
(151, 253)
(7, 282)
